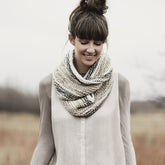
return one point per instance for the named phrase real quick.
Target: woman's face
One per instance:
(87, 52)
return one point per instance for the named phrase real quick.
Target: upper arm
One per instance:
(45, 107)
(45, 146)
(124, 89)
(45, 88)
(124, 103)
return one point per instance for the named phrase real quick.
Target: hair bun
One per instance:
(98, 6)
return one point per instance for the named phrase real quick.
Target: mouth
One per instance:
(89, 57)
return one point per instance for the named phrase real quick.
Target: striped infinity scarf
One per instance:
(83, 96)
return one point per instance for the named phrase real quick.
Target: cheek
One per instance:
(80, 48)
(99, 50)
(77, 46)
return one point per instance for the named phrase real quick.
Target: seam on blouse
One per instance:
(82, 141)
(118, 94)
(52, 96)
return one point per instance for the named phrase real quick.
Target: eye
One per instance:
(84, 43)
(98, 43)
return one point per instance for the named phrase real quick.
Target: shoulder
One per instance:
(124, 87)
(45, 85)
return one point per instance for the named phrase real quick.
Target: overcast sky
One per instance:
(33, 34)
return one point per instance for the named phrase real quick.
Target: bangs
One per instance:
(91, 29)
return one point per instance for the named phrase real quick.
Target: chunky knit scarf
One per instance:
(83, 95)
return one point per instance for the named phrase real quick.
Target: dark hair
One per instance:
(87, 21)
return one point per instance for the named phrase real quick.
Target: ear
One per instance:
(71, 39)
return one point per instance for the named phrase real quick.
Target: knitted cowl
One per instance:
(83, 95)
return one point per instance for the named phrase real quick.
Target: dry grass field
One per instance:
(19, 132)
(148, 132)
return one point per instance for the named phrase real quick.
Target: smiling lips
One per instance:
(89, 57)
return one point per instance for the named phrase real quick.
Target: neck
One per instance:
(81, 69)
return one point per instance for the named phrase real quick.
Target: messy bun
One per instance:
(98, 6)
(87, 21)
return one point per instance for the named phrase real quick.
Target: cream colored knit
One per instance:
(82, 96)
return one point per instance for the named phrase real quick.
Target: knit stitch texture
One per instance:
(83, 96)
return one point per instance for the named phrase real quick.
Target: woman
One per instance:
(84, 104)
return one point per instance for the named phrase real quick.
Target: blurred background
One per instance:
(33, 40)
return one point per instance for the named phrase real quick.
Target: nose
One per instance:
(91, 49)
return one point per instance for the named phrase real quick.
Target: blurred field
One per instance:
(148, 131)
(19, 133)
(18, 136)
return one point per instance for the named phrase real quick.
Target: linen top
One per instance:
(100, 139)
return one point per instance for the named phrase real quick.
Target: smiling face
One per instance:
(87, 52)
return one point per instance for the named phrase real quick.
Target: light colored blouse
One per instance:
(101, 139)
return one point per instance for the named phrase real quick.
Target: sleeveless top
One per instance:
(96, 140)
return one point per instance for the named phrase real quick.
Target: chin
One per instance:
(89, 63)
